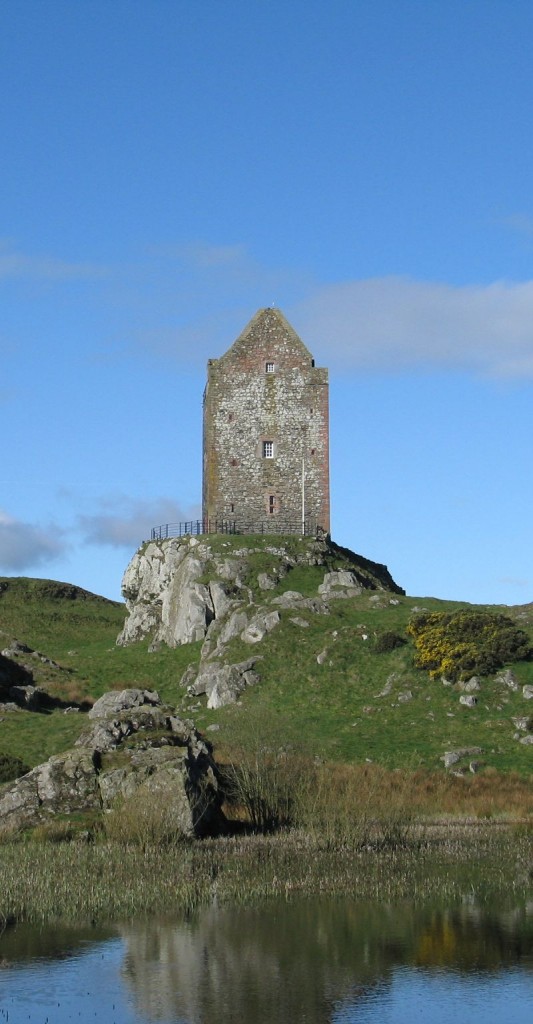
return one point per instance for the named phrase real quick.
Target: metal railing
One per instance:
(196, 527)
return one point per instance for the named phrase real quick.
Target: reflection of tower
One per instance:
(266, 432)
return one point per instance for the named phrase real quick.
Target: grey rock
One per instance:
(108, 733)
(467, 700)
(508, 678)
(472, 685)
(30, 697)
(403, 698)
(527, 692)
(16, 648)
(221, 599)
(321, 657)
(341, 583)
(223, 684)
(289, 599)
(229, 568)
(266, 581)
(122, 700)
(523, 723)
(189, 676)
(260, 625)
(64, 784)
(526, 740)
(233, 627)
(297, 621)
(163, 595)
(176, 770)
(387, 689)
(292, 600)
(452, 757)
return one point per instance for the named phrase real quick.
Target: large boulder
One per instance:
(137, 744)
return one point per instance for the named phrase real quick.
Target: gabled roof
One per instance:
(266, 322)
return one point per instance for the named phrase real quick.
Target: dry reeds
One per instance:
(106, 880)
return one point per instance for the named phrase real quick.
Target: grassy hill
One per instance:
(353, 705)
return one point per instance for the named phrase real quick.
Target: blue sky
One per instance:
(168, 167)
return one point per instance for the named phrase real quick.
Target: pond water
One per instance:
(303, 962)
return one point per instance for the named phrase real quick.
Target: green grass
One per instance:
(336, 711)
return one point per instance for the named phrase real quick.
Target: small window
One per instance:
(269, 367)
(232, 507)
(268, 449)
(272, 504)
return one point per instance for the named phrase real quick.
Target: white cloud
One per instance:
(25, 545)
(127, 522)
(394, 323)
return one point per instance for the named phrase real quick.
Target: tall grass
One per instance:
(107, 880)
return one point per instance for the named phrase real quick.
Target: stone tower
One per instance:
(266, 433)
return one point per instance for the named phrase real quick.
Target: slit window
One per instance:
(272, 504)
(268, 449)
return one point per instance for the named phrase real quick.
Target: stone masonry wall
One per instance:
(245, 406)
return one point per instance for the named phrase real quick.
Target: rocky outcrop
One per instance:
(175, 589)
(132, 741)
(219, 589)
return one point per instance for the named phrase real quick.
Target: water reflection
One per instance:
(291, 962)
(309, 961)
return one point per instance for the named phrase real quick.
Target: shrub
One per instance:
(388, 641)
(11, 768)
(265, 785)
(458, 644)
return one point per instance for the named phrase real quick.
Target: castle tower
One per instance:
(266, 433)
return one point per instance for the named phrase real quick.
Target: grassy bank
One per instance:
(361, 702)
(104, 881)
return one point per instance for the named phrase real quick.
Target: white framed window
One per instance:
(270, 367)
(268, 449)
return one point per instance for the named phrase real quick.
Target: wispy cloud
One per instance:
(521, 223)
(26, 545)
(394, 323)
(514, 581)
(189, 302)
(198, 297)
(127, 522)
(15, 264)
